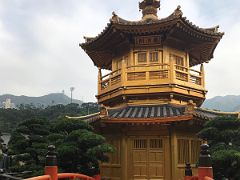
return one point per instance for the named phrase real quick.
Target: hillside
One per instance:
(223, 103)
(42, 101)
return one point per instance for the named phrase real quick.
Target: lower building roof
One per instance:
(165, 113)
(147, 111)
(211, 114)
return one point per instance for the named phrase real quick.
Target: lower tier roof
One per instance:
(164, 113)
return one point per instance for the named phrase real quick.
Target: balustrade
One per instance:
(153, 73)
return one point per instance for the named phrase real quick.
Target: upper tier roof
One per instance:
(176, 31)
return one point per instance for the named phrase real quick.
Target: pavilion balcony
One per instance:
(153, 75)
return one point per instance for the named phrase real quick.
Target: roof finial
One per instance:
(114, 17)
(149, 9)
(178, 11)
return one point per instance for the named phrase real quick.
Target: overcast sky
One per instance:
(39, 52)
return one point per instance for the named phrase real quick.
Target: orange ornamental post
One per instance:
(51, 163)
(205, 163)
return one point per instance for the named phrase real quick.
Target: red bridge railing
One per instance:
(51, 170)
(205, 171)
(71, 176)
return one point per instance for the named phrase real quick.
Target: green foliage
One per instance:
(223, 135)
(29, 145)
(78, 148)
(10, 118)
(1, 140)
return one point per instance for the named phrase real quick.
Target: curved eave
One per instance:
(101, 48)
(208, 38)
(212, 32)
(211, 114)
(123, 24)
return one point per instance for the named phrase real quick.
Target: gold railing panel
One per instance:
(151, 73)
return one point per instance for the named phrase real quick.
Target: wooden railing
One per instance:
(110, 79)
(196, 77)
(161, 72)
(189, 75)
(147, 72)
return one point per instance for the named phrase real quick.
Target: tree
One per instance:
(223, 135)
(1, 140)
(10, 118)
(28, 144)
(79, 149)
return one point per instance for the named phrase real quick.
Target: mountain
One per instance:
(42, 101)
(229, 103)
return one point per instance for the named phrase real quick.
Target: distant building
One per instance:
(8, 104)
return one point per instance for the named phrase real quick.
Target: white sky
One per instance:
(39, 52)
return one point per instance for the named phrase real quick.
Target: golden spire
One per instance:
(149, 9)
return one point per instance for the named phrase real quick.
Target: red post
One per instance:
(205, 172)
(51, 167)
(205, 163)
(97, 177)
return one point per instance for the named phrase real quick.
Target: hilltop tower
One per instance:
(150, 99)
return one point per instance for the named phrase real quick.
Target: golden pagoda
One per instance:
(150, 101)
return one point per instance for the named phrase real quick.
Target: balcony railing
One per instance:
(110, 79)
(153, 74)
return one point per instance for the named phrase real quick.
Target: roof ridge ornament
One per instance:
(87, 39)
(114, 18)
(149, 9)
(178, 11)
(213, 29)
(190, 107)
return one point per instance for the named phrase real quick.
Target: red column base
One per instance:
(52, 171)
(97, 177)
(187, 177)
(205, 172)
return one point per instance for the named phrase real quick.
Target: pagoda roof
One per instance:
(154, 114)
(200, 42)
(147, 111)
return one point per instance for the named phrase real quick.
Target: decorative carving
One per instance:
(103, 111)
(205, 158)
(149, 9)
(190, 107)
(51, 157)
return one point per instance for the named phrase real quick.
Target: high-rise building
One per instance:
(8, 104)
